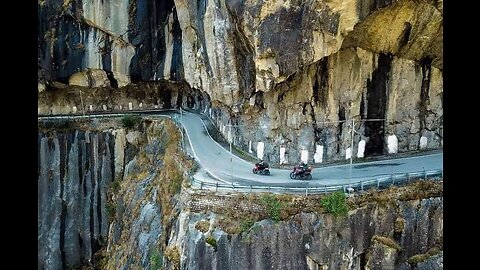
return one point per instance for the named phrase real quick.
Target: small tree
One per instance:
(211, 241)
(335, 203)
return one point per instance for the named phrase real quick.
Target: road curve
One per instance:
(223, 166)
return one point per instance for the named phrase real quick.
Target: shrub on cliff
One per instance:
(58, 124)
(246, 224)
(211, 241)
(156, 260)
(335, 203)
(273, 206)
(130, 121)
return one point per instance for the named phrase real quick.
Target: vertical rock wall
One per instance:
(315, 108)
(128, 39)
(75, 171)
(105, 199)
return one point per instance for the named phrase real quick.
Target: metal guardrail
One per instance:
(43, 118)
(99, 114)
(377, 181)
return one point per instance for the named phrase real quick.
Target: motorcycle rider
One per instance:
(303, 167)
(262, 165)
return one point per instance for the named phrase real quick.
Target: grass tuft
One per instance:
(335, 203)
(130, 121)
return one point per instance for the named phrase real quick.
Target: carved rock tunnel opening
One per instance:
(376, 105)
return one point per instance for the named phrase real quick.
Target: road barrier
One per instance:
(377, 181)
(102, 114)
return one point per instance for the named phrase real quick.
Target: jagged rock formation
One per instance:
(371, 237)
(137, 40)
(109, 192)
(300, 70)
(141, 96)
(75, 35)
(145, 201)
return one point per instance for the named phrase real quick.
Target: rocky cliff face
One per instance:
(320, 63)
(138, 40)
(106, 195)
(374, 236)
(75, 99)
(115, 198)
(75, 171)
(146, 199)
(290, 75)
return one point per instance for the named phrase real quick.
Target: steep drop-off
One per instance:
(104, 189)
(119, 198)
(382, 231)
(75, 171)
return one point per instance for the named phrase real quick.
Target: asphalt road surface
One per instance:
(221, 166)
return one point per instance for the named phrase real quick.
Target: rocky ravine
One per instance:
(290, 75)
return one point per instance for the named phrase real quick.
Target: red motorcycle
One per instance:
(261, 169)
(300, 173)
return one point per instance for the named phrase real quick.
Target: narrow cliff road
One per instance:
(225, 167)
(218, 165)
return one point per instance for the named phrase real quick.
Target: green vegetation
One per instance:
(399, 224)
(156, 260)
(130, 121)
(273, 206)
(170, 181)
(57, 124)
(115, 185)
(114, 188)
(110, 210)
(335, 203)
(211, 241)
(246, 224)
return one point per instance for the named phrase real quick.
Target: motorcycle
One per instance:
(299, 173)
(261, 170)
